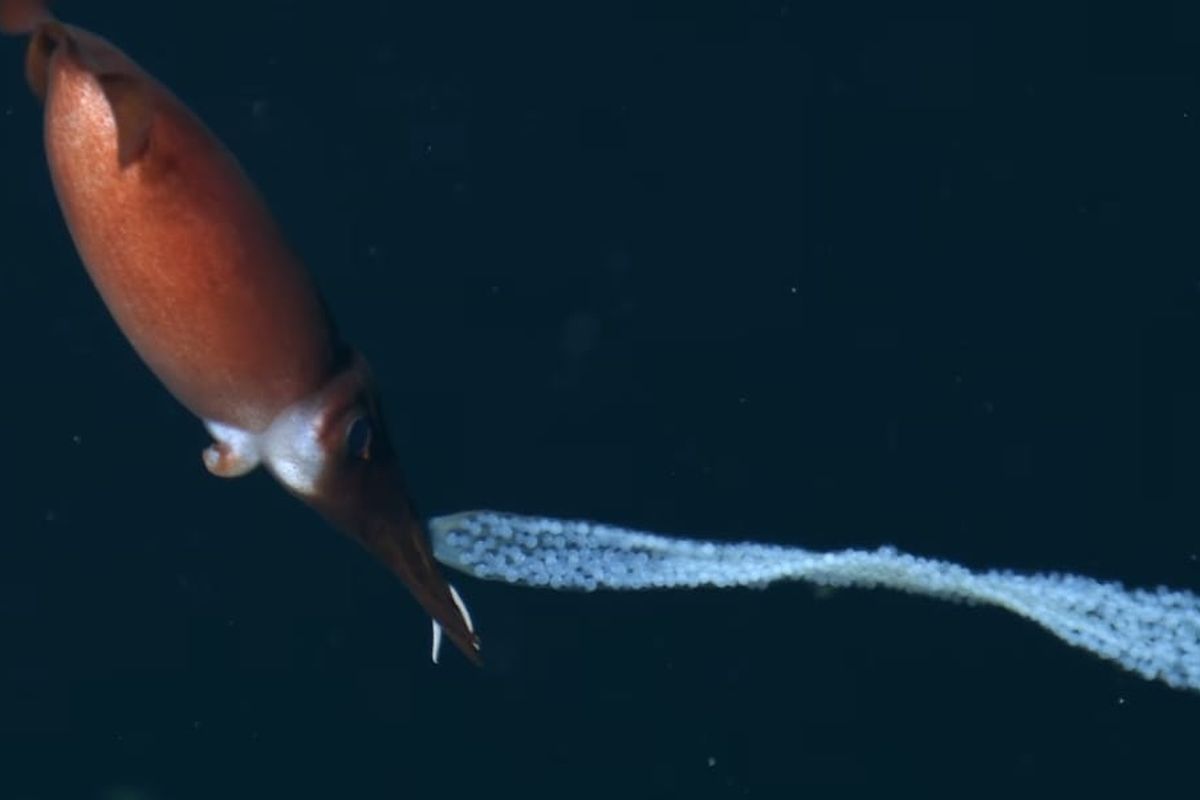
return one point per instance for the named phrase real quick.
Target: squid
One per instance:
(199, 278)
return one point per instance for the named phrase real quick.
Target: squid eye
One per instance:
(358, 438)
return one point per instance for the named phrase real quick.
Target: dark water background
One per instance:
(835, 274)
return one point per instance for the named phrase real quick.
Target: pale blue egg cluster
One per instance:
(1153, 633)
